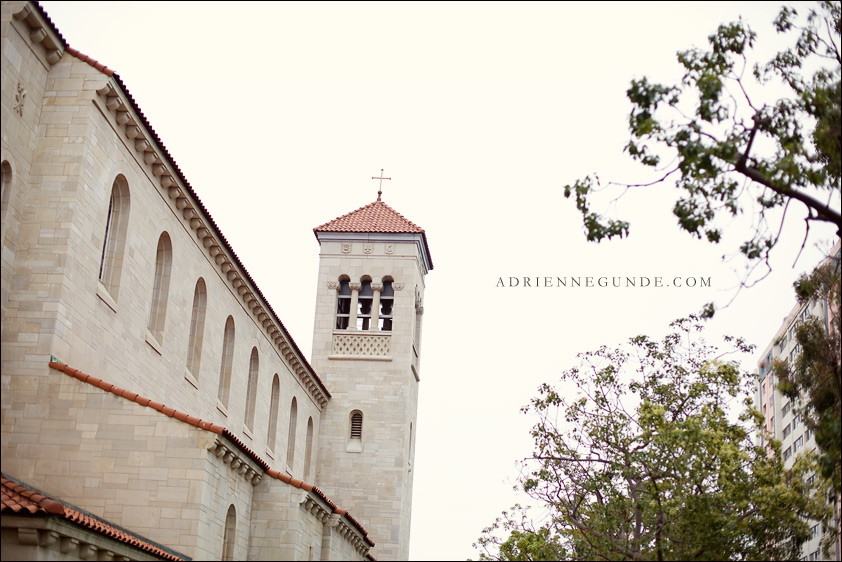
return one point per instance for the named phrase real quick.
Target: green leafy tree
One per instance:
(727, 150)
(523, 541)
(646, 463)
(817, 371)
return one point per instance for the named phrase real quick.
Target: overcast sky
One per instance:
(279, 115)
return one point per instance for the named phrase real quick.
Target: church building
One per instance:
(154, 405)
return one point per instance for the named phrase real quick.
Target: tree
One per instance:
(646, 463)
(817, 370)
(729, 150)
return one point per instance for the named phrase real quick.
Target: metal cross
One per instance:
(381, 178)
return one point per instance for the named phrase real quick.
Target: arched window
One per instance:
(387, 300)
(251, 396)
(6, 169)
(308, 451)
(4, 223)
(161, 287)
(356, 425)
(343, 304)
(364, 302)
(293, 420)
(229, 537)
(197, 329)
(114, 241)
(273, 413)
(227, 363)
(355, 436)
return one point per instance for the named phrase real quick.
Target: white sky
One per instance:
(278, 115)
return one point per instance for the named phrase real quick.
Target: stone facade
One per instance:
(111, 266)
(375, 373)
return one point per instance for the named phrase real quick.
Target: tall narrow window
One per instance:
(6, 196)
(161, 287)
(197, 329)
(417, 341)
(251, 396)
(229, 537)
(308, 451)
(356, 425)
(114, 241)
(409, 453)
(227, 363)
(4, 223)
(355, 435)
(364, 302)
(387, 299)
(293, 420)
(273, 413)
(343, 305)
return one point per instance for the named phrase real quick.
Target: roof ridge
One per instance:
(375, 220)
(91, 61)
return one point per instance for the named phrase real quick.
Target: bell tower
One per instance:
(366, 348)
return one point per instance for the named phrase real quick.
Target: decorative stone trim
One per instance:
(39, 34)
(419, 302)
(316, 507)
(20, 99)
(196, 221)
(55, 540)
(349, 533)
(325, 515)
(362, 345)
(236, 461)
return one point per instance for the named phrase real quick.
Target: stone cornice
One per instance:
(419, 239)
(41, 32)
(196, 220)
(325, 514)
(236, 460)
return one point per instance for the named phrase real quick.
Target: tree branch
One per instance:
(823, 212)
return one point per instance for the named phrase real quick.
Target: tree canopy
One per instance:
(645, 462)
(816, 373)
(730, 152)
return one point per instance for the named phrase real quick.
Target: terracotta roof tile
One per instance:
(85, 58)
(21, 499)
(208, 426)
(374, 217)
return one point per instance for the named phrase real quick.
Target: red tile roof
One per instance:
(374, 217)
(85, 58)
(207, 426)
(20, 499)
